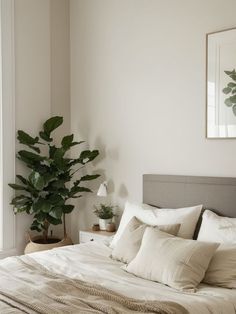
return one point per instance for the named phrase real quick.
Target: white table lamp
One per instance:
(102, 191)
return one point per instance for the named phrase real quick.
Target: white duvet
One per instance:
(91, 262)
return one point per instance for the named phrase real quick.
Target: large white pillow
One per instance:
(176, 262)
(187, 217)
(215, 228)
(222, 269)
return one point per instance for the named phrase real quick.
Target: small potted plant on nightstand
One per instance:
(105, 214)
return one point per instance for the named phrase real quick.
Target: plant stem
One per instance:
(45, 232)
(64, 224)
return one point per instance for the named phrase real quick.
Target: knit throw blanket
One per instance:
(27, 287)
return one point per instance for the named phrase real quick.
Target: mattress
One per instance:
(91, 262)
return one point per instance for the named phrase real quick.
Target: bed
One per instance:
(90, 264)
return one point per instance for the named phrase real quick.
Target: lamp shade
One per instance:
(102, 191)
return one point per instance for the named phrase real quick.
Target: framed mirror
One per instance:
(221, 84)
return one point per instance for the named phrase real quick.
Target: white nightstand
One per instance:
(90, 235)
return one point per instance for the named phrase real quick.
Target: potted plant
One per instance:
(105, 214)
(46, 191)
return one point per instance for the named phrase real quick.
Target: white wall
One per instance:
(138, 89)
(42, 73)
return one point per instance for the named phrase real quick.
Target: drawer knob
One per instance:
(91, 239)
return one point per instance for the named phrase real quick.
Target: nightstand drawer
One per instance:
(87, 236)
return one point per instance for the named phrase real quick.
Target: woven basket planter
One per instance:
(34, 244)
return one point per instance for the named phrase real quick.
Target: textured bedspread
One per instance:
(28, 287)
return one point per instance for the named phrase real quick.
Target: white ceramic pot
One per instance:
(103, 223)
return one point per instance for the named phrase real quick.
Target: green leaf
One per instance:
(49, 177)
(233, 77)
(77, 143)
(22, 208)
(63, 192)
(58, 155)
(36, 180)
(85, 157)
(232, 85)
(53, 220)
(56, 212)
(229, 72)
(89, 177)
(67, 209)
(20, 200)
(58, 184)
(31, 156)
(55, 199)
(42, 205)
(88, 155)
(22, 179)
(41, 216)
(18, 187)
(52, 124)
(61, 162)
(228, 102)
(233, 99)
(234, 109)
(26, 139)
(45, 136)
(226, 90)
(78, 189)
(67, 141)
(35, 228)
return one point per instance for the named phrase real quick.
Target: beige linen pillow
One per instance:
(129, 243)
(176, 262)
(222, 269)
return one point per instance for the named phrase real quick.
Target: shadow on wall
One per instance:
(123, 191)
(98, 144)
(84, 217)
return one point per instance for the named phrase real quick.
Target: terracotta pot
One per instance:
(111, 227)
(34, 246)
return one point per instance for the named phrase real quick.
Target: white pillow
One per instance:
(150, 215)
(176, 262)
(215, 228)
(222, 269)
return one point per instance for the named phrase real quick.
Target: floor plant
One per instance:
(46, 192)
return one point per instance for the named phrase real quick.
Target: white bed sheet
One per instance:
(91, 262)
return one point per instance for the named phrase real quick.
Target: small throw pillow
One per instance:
(176, 262)
(129, 243)
(215, 228)
(187, 217)
(222, 269)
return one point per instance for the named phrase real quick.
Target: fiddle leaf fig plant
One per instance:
(46, 191)
(230, 90)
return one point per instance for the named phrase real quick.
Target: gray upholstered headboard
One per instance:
(218, 194)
